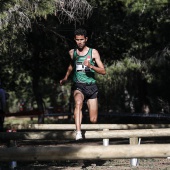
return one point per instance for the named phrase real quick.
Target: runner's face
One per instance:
(81, 41)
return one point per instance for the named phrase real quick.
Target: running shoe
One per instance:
(78, 135)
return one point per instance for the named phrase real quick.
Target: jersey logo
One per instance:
(88, 57)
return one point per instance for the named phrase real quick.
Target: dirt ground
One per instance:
(116, 164)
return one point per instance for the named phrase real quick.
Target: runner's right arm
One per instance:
(69, 70)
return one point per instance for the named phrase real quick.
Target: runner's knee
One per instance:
(93, 119)
(78, 104)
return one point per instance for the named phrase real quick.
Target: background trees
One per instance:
(132, 37)
(34, 53)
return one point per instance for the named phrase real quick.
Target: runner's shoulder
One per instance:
(71, 53)
(95, 53)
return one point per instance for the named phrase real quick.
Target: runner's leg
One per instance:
(93, 109)
(78, 98)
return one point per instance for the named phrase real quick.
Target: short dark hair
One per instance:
(80, 31)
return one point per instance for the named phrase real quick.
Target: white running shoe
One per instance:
(78, 135)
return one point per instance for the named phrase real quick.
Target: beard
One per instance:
(81, 47)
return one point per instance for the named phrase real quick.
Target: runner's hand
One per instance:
(86, 63)
(62, 81)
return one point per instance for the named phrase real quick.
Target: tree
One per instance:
(20, 12)
(31, 45)
(133, 29)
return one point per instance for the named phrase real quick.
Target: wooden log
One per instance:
(87, 134)
(84, 152)
(84, 126)
(133, 141)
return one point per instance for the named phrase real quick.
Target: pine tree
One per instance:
(19, 13)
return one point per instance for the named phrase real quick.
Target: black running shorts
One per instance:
(90, 91)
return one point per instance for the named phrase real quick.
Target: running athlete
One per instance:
(85, 62)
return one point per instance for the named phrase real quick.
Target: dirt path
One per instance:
(116, 164)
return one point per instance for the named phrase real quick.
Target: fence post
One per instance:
(105, 141)
(12, 143)
(134, 141)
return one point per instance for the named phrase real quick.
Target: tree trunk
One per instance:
(2, 107)
(38, 97)
(35, 85)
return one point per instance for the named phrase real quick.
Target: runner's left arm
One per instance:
(100, 67)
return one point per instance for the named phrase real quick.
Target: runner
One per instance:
(85, 62)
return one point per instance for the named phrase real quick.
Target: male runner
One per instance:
(85, 62)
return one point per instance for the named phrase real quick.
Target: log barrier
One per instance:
(84, 126)
(80, 152)
(96, 131)
(67, 135)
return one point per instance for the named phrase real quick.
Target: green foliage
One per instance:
(32, 49)
(20, 13)
(160, 66)
(132, 37)
(142, 6)
(120, 73)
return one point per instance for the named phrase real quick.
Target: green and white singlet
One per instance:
(83, 74)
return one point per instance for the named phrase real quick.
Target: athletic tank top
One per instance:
(83, 74)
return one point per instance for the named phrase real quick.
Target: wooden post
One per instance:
(12, 143)
(105, 141)
(134, 141)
